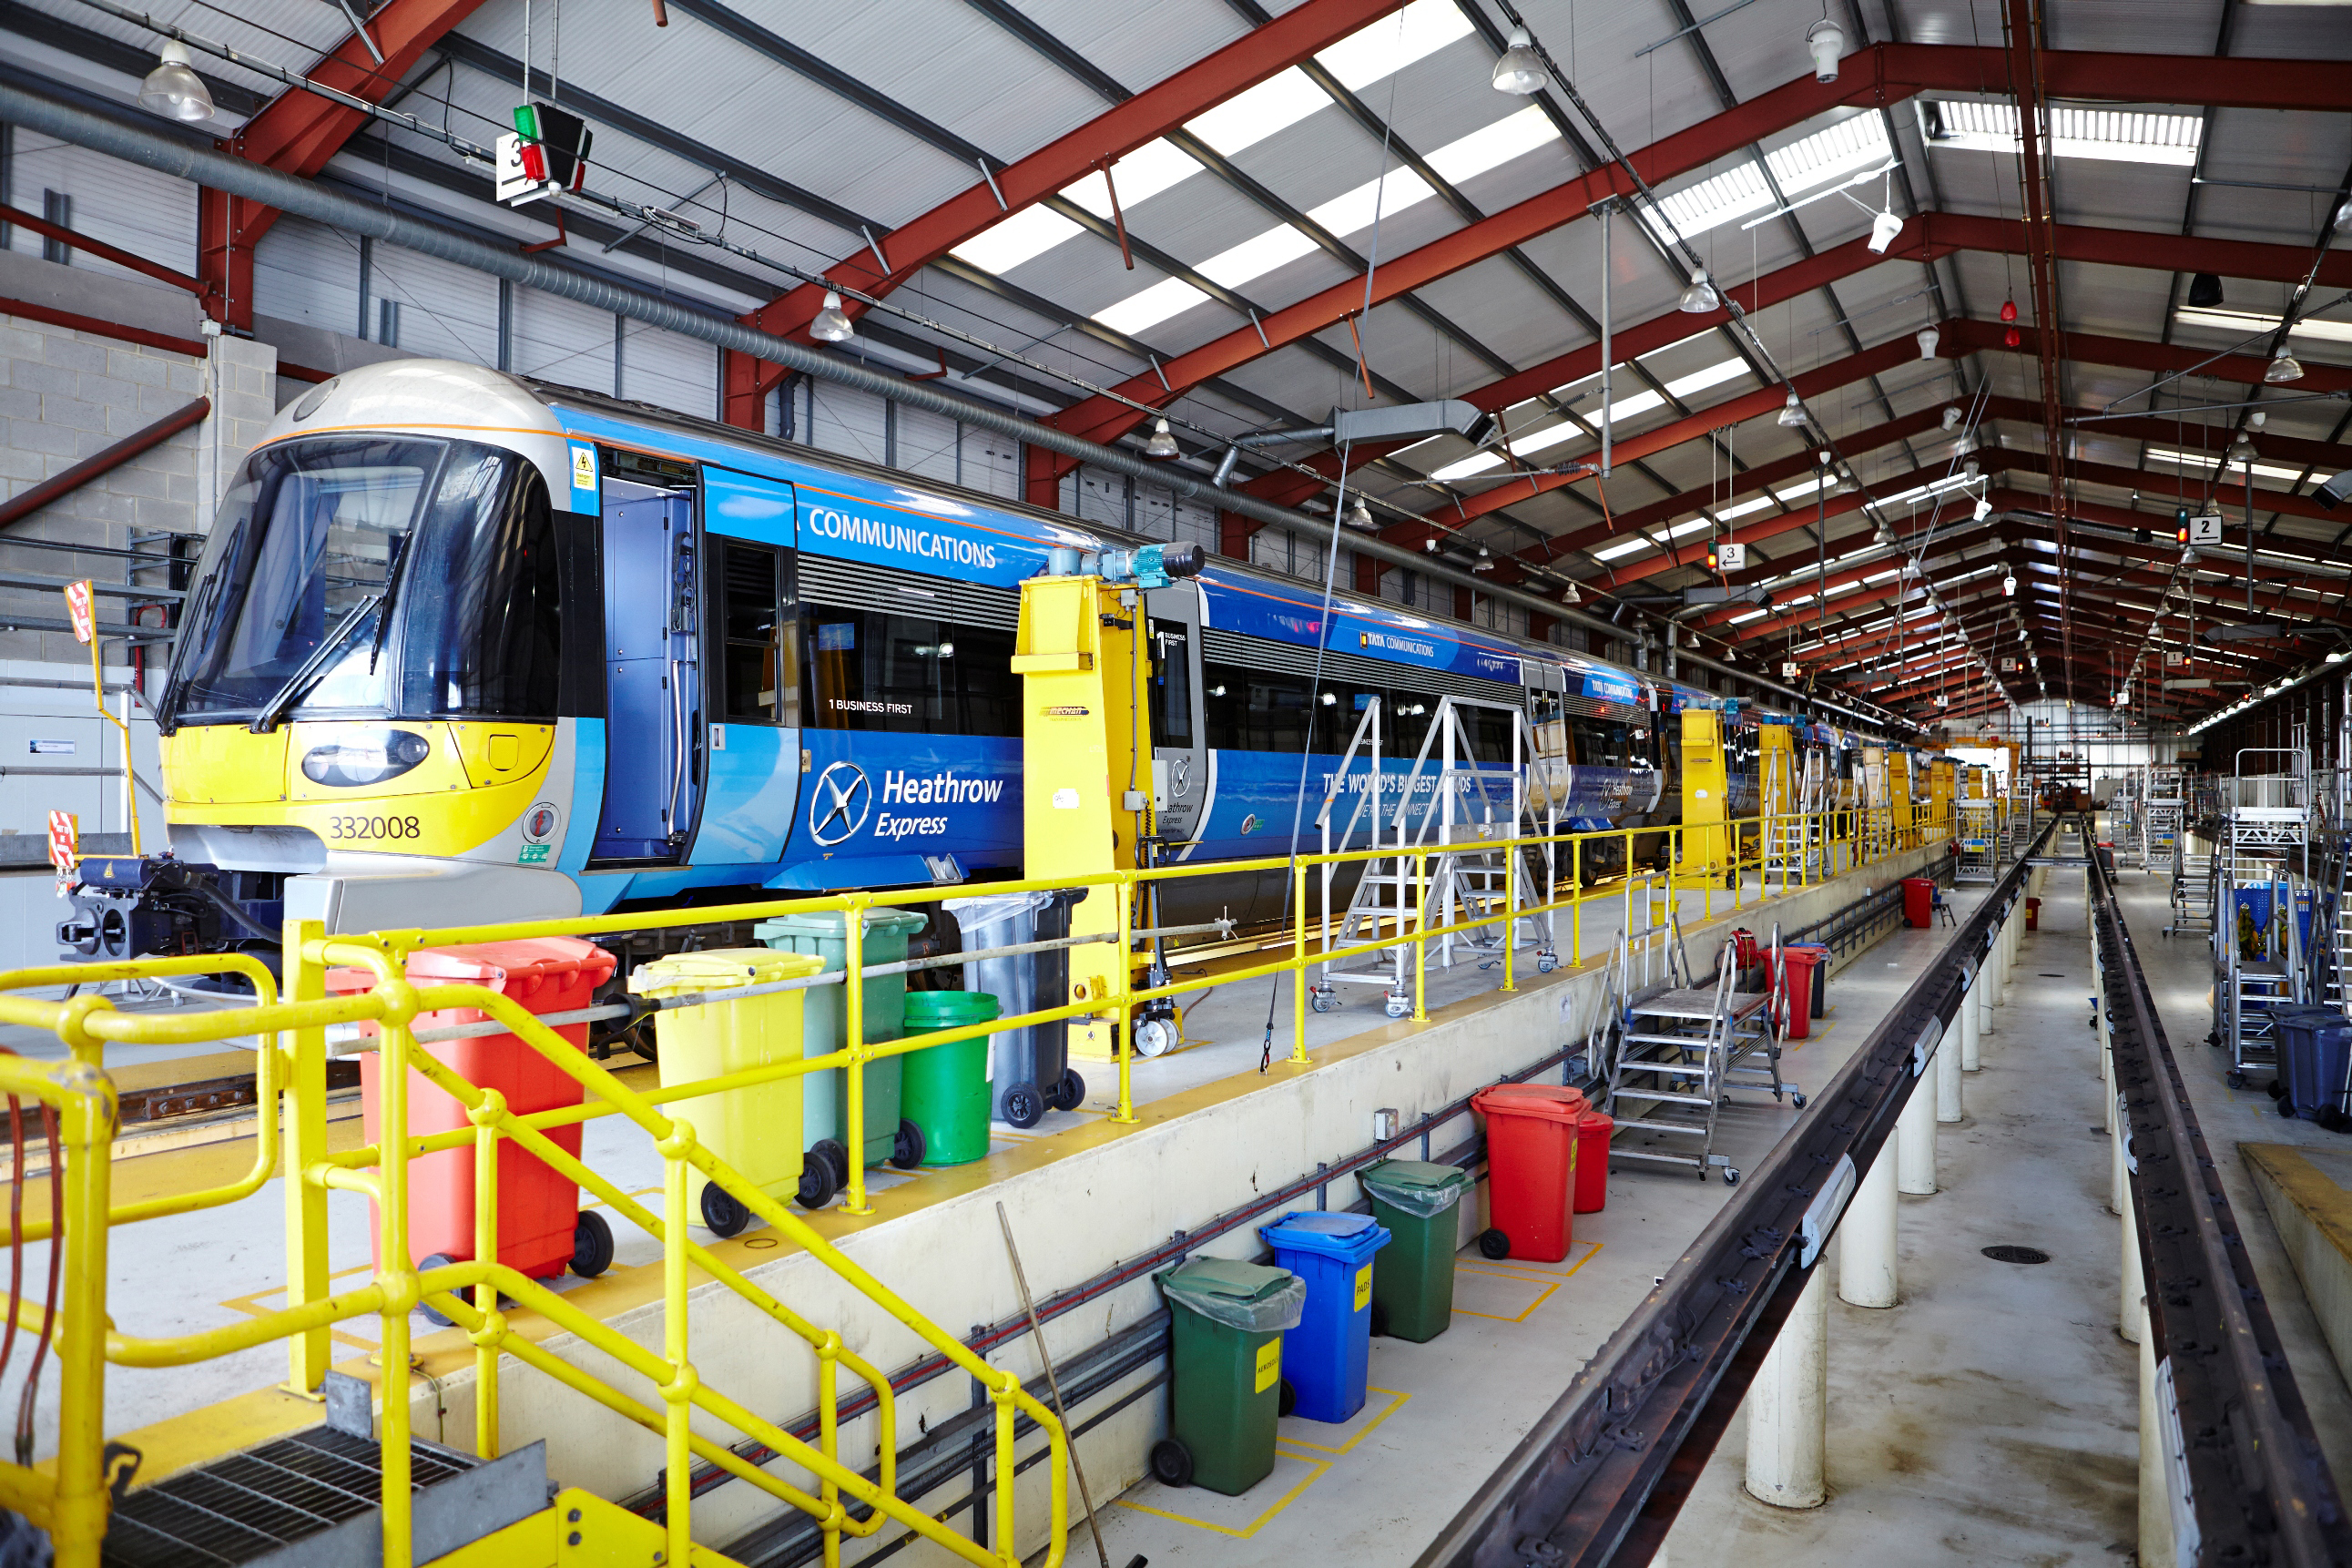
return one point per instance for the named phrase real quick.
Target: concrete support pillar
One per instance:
(1972, 1043)
(2156, 1546)
(1946, 1067)
(1980, 995)
(1866, 1235)
(1915, 1142)
(1788, 1406)
(2130, 1312)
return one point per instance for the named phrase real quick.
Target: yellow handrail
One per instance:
(291, 1083)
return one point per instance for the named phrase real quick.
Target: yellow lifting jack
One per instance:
(1085, 728)
(1706, 786)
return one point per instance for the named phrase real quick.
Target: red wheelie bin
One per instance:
(542, 1230)
(1919, 901)
(1531, 1138)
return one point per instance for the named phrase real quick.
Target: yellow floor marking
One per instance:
(251, 1305)
(1541, 1297)
(1396, 1402)
(1532, 1270)
(1317, 1467)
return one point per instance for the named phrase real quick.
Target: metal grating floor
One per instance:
(252, 1504)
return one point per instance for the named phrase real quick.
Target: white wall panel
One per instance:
(992, 462)
(563, 341)
(669, 371)
(852, 423)
(926, 443)
(446, 311)
(135, 209)
(306, 272)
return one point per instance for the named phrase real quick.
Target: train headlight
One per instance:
(368, 759)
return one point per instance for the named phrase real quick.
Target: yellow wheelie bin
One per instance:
(755, 1130)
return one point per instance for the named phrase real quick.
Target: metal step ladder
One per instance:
(2257, 925)
(1418, 879)
(1676, 1054)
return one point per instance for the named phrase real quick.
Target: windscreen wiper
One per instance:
(283, 698)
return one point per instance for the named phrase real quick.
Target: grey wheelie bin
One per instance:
(1029, 1067)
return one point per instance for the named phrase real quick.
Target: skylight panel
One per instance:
(1249, 118)
(2113, 135)
(1749, 615)
(1512, 136)
(1626, 548)
(1388, 194)
(1853, 143)
(1744, 508)
(1475, 463)
(1023, 236)
(1801, 489)
(2246, 323)
(1141, 174)
(1256, 255)
(1383, 48)
(1156, 304)
(1712, 375)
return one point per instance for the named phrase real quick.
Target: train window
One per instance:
(1255, 711)
(1172, 684)
(909, 675)
(759, 673)
(1409, 715)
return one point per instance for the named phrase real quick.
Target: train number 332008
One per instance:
(372, 827)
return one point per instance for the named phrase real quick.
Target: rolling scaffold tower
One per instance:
(1425, 873)
(1979, 822)
(2164, 814)
(2258, 930)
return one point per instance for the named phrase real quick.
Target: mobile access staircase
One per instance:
(1431, 873)
(2257, 925)
(1979, 840)
(1670, 1058)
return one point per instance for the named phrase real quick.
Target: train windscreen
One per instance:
(298, 604)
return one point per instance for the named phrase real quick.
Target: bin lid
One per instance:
(529, 958)
(1804, 956)
(987, 909)
(929, 1010)
(719, 969)
(1421, 1188)
(836, 923)
(1550, 1101)
(1348, 1236)
(1252, 1297)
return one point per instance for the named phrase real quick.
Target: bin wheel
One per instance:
(818, 1184)
(1069, 1091)
(1024, 1106)
(907, 1149)
(721, 1215)
(2277, 1089)
(1287, 1400)
(642, 1041)
(1494, 1244)
(433, 1314)
(1380, 1319)
(592, 1244)
(1171, 1463)
(2286, 1107)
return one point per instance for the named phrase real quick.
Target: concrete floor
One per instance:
(1443, 1413)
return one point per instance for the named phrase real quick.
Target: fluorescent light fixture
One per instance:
(2113, 135)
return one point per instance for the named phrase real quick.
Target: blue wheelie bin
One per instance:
(1327, 1357)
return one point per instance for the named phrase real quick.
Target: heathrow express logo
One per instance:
(838, 804)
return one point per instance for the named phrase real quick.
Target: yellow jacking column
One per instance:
(1898, 797)
(1940, 794)
(1705, 846)
(1085, 759)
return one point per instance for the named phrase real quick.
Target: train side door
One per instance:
(1179, 741)
(653, 617)
(752, 680)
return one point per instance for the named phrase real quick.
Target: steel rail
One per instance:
(2258, 1487)
(1599, 1478)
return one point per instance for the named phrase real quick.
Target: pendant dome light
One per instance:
(1700, 297)
(1519, 71)
(832, 323)
(1163, 440)
(173, 88)
(1792, 413)
(2284, 367)
(1928, 338)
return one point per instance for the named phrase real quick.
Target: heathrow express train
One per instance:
(466, 646)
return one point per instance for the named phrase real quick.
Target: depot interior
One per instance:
(1587, 741)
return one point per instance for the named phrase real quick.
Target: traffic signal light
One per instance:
(554, 144)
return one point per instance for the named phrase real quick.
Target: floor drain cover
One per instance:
(2005, 1253)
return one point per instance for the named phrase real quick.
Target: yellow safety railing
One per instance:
(292, 1029)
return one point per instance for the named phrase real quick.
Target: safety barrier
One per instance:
(293, 1032)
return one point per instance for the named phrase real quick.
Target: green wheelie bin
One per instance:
(824, 1111)
(1226, 1358)
(944, 1090)
(1413, 1277)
